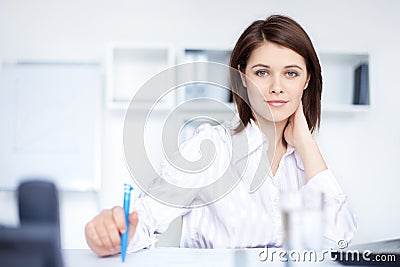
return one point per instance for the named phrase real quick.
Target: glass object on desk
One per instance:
(303, 220)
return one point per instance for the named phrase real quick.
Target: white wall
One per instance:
(360, 148)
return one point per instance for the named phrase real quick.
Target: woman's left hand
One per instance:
(298, 135)
(297, 132)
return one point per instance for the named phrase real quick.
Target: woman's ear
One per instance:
(242, 77)
(306, 85)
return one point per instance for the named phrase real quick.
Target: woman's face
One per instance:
(275, 79)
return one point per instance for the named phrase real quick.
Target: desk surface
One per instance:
(177, 257)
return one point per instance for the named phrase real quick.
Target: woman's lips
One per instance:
(276, 103)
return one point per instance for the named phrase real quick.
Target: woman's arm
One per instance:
(341, 222)
(299, 136)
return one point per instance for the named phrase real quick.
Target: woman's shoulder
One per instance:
(201, 158)
(217, 132)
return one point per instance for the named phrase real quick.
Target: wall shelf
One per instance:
(338, 76)
(210, 105)
(129, 66)
(193, 91)
(345, 108)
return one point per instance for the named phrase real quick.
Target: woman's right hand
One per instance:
(103, 232)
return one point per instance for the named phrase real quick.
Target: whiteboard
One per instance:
(50, 115)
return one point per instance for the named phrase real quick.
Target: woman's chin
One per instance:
(273, 119)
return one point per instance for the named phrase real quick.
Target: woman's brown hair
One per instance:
(284, 31)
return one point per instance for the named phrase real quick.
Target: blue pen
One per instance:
(124, 236)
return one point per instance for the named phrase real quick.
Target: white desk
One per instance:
(177, 257)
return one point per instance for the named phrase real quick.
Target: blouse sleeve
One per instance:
(340, 221)
(154, 218)
(154, 215)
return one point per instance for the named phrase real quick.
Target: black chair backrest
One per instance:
(38, 203)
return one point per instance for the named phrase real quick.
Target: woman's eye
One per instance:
(291, 73)
(261, 73)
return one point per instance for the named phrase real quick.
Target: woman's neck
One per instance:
(274, 133)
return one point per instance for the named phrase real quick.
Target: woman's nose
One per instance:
(275, 87)
(276, 91)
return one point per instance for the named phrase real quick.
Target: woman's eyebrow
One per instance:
(293, 66)
(261, 65)
(268, 67)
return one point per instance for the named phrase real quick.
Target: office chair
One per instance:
(38, 204)
(37, 242)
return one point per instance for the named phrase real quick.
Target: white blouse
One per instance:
(248, 215)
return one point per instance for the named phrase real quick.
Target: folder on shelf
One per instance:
(361, 85)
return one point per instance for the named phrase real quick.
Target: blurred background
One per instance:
(69, 68)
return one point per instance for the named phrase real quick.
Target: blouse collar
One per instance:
(256, 140)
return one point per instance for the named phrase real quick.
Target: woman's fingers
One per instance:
(103, 232)
(107, 231)
(119, 218)
(133, 221)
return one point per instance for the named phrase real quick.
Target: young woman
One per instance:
(278, 100)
